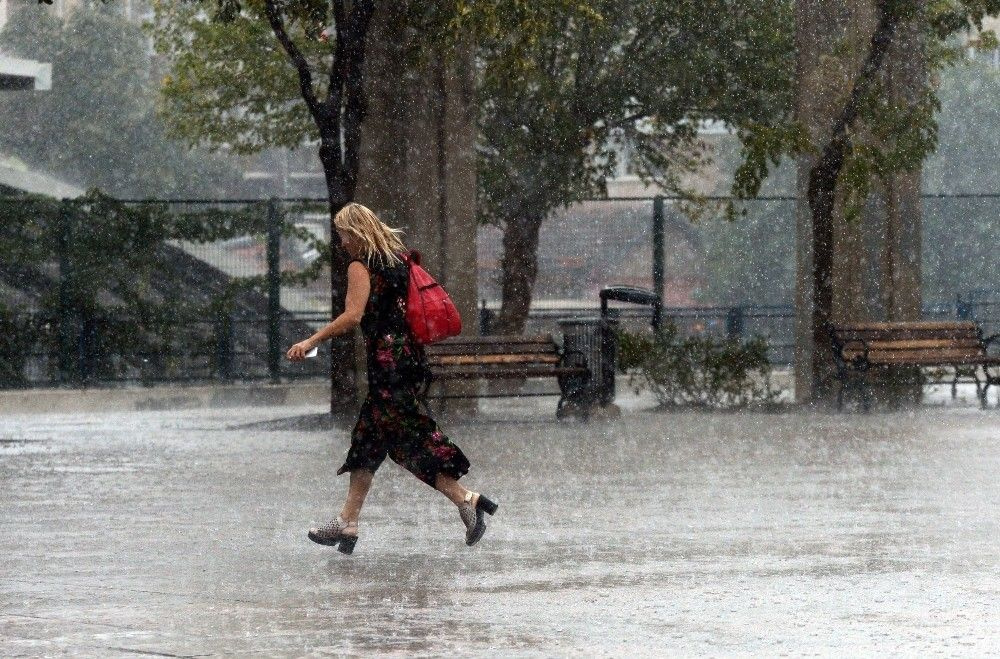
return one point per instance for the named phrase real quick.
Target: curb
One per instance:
(171, 397)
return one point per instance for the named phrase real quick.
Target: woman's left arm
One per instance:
(358, 288)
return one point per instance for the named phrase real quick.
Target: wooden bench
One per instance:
(511, 358)
(859, 347)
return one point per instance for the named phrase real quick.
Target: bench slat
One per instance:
(497, 357)
(919, 356)
(905, 335)
(491, 349)
(927, 325)
(504, 373)
(915, 344)
(456, 360)
(493, 339)
(895, 361)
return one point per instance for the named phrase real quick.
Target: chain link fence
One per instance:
(96, 291)
(91, 291)
(721, 276)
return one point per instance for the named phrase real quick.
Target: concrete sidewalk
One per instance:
(183, 534)
(162, 397)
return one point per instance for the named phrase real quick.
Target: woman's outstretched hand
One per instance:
(298, 351)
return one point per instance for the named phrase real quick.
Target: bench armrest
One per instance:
(990, 339)
(837, 347)
(838, 351)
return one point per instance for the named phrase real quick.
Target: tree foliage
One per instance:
(891, 136)
(231, 84)
(752, 259)
(635, 77)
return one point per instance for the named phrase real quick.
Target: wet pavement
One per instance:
(178, 534)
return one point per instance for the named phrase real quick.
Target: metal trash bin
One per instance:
(595, 339)
(606, 336)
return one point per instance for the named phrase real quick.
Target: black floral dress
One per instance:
(392, 421)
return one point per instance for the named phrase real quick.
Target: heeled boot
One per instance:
(343, 535)
(472, 513)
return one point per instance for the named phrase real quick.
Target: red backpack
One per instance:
(430, 313)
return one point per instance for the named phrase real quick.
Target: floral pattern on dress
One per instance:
(392, 421)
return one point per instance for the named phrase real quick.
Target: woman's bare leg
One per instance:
(450, 487)
(361, 482)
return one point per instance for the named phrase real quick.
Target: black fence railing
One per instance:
(641, 242)
(235, 347)
(776, 323)
(654, 243)
(98, 290)
(225, 349)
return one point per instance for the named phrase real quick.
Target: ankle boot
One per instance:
(472, 513)
(343, 535)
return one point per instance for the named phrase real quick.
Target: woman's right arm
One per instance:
(358, 289)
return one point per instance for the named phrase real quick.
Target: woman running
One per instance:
(391, 421)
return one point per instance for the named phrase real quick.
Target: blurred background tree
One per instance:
(636, 76)
(752, 257)
(98, 127)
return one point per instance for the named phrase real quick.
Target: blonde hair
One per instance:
(378, 241)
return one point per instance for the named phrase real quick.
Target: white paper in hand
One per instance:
(312, 353)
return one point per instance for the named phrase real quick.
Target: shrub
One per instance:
(16, 339)
(698, 371)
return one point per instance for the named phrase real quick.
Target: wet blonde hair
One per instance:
(378, 241)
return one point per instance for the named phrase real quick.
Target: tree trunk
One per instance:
(346, 70)
(822, 196)
(343, 366)
(519, 266)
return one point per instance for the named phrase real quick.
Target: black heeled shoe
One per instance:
(473, 516)
(346, 545)
(333, 535)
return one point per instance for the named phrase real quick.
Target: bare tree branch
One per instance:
(298, 59)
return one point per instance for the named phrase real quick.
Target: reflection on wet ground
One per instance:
(179, 534)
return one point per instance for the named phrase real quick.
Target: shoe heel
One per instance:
(346, 545)
(486, 505)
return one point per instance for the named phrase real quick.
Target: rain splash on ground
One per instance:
(183, 534)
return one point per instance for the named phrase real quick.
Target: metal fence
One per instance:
(696, 255)
(723, 277)
(266, 254)
(715, 279)
(776, 323)
(225, 349)
(73, 312)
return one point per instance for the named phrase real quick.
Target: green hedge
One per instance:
(17, 335)
(698, 371)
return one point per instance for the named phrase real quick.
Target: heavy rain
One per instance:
(654, 328)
